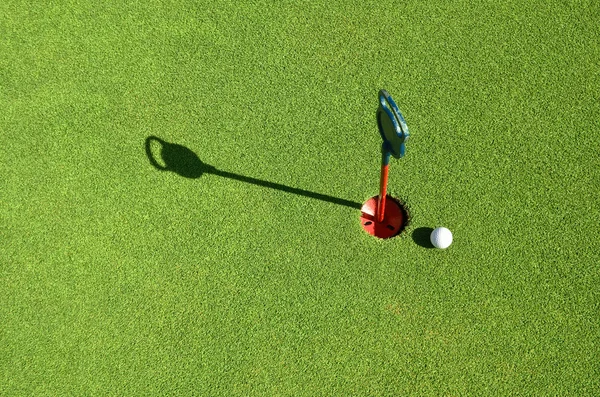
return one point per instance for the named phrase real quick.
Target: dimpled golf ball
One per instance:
(441, 238)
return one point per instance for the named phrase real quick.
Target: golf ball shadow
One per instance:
(422, 236)
(176, 158)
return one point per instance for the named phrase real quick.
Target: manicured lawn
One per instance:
(243, 269)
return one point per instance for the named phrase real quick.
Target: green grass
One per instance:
(119, 279)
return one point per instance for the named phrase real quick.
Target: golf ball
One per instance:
(441, 238)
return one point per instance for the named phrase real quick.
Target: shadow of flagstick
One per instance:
(288, 189)
(184, 162)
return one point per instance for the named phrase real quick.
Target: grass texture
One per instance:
(255, 278)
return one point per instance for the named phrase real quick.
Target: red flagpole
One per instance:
(385, 165)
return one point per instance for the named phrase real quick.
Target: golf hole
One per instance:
(396, 218)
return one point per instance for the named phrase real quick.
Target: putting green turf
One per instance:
(119, 279)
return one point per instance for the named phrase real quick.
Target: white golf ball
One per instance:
(441, 238)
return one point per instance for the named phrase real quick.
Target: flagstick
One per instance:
(385, 165)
